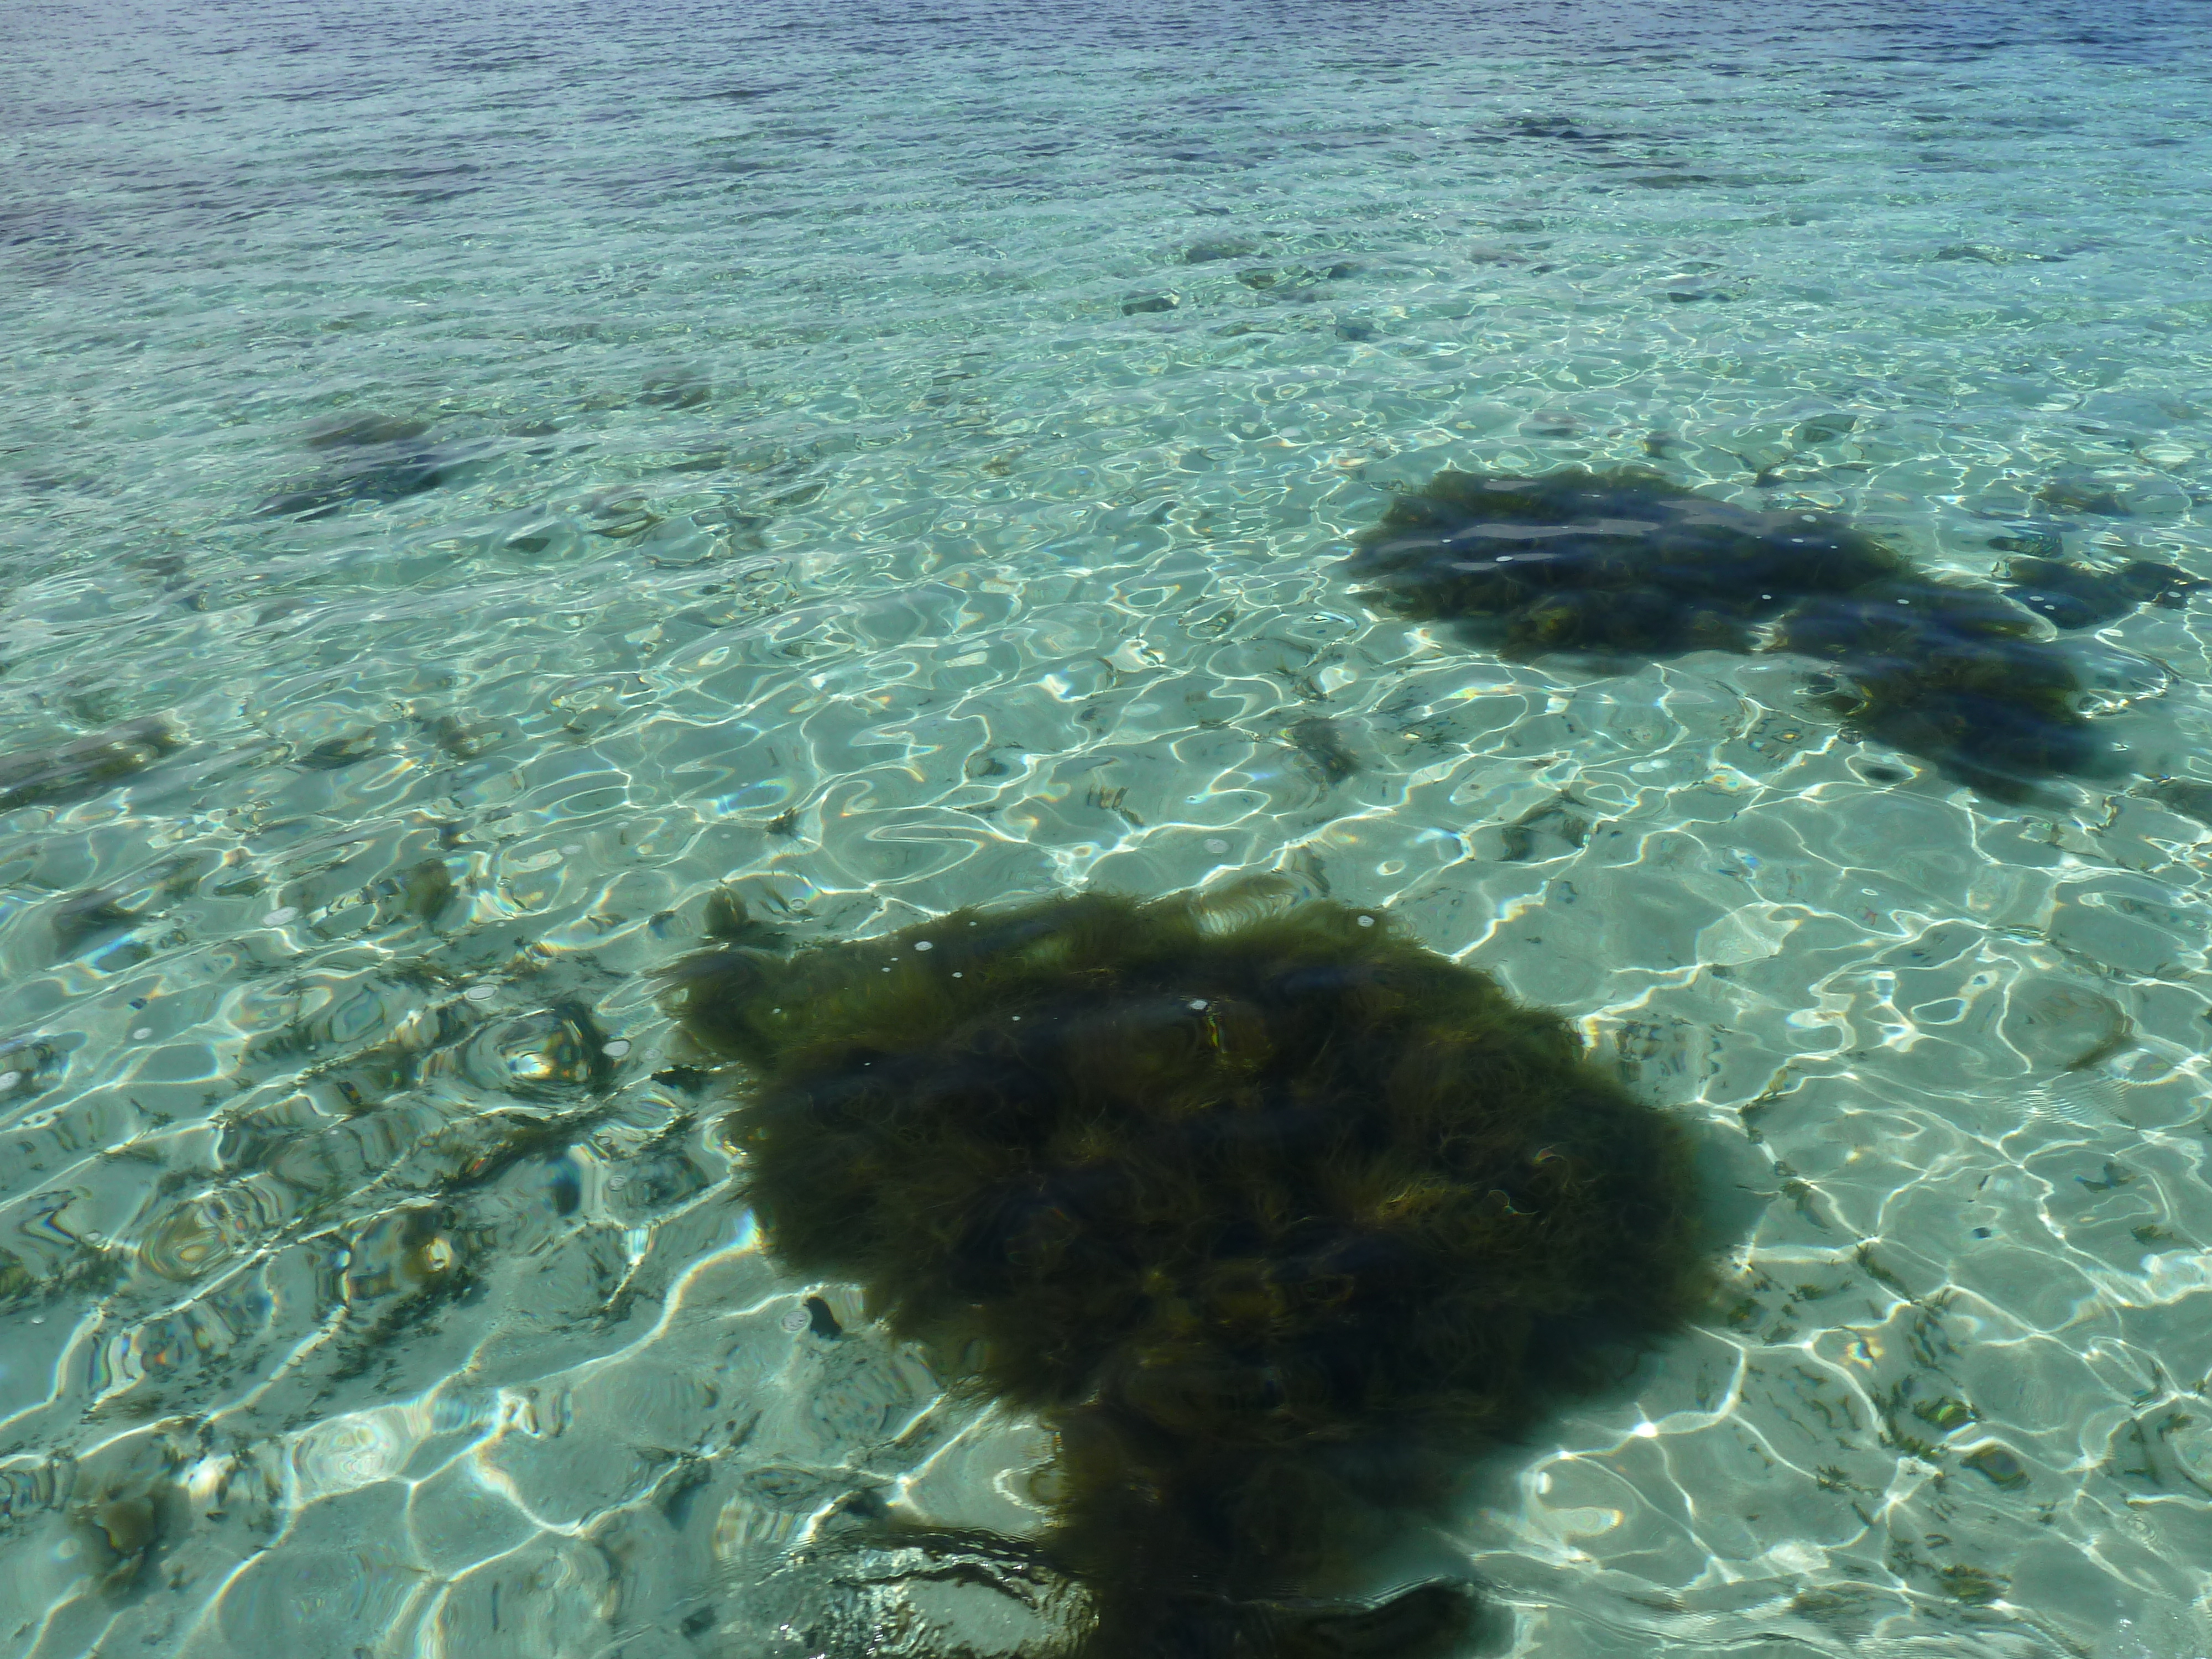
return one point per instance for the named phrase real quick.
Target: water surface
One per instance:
(530, 466)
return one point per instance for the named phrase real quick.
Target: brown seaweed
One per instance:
(1273, 1216)
(1620, 561)
(1625, 563)
(2083, 596)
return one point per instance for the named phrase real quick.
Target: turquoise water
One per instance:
(473, 483)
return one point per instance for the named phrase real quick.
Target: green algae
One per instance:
(1272, 1213)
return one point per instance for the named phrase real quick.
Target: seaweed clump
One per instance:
(2082, 596)
(84, 766)
(1269, 1216)
(1620, 561)
(376, 458)
(1624, 561)
(1952, 673)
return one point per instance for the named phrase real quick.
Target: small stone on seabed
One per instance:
(10, 1080)
(1217, 845)
(281, 914)
(481, 993)
(572, 849)
(141, 1034)
(923, 944)
(1367, 922)
(616, 1049)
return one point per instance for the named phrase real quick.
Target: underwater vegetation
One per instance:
(84, 766)
(1954, 674)
(376, 457)
(2080, 596)
(1268, 1211)
(1620, 561)
(1625, 563)
(1321, 744)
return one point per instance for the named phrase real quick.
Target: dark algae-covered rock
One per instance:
(1625, 563)
(1269, 1212)
(1954, 674)
(373, 458)
(84, 766)
(2083, 596)
(1620, 561)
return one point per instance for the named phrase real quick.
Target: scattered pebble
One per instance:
(956, 973)
(1217, 845)
(924, 944)
(141, 1034)
(616, 1049)
(1199, 1003)
(796, 1320)
(481, 993)
(281, 914)
(1367, 922)
(572, 849)
(10, 1080)
(617, 1183)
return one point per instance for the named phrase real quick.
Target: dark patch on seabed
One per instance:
(379, 457)
(83, 767)
(1271, 1214)
(1625, 563)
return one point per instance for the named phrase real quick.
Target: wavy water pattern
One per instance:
(475, 481)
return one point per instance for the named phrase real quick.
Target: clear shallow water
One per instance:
(811, 487)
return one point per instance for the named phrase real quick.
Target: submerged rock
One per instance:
(676, 388)
(1320, 743)
(84, 766)
(1954, 675)
(382, 459)
(2191, 797)
(1268, 1209)
(2080, 492)
(364, 429)
(1212, 249)
(1620, 561)
(2084, 595)
(1626, 563)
